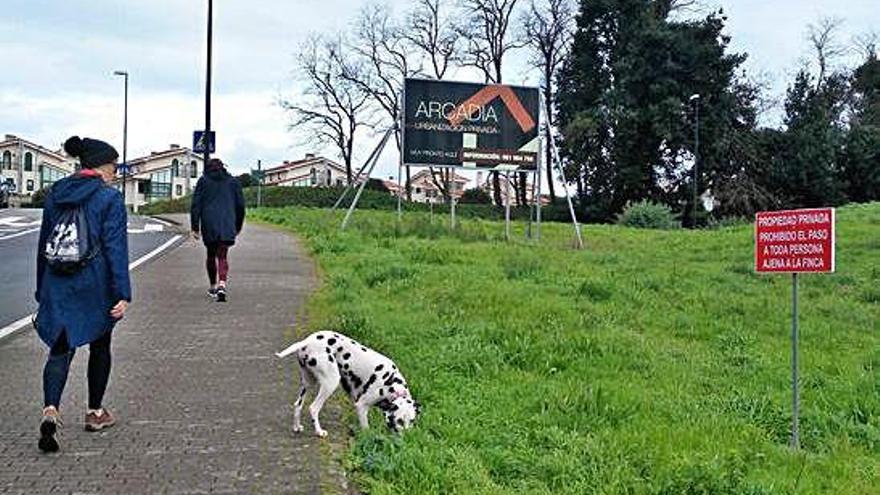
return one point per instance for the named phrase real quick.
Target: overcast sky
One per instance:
(57, 58)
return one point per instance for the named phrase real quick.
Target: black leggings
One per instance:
(58, 366)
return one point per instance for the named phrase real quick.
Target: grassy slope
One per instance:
(651, 362)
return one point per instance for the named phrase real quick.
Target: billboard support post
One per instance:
(507, 206)
(348, 187)
(374, 158)
(577, 226)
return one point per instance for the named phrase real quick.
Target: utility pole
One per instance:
(124, 135)
(207, 139)
(695, 99)
(259, 183)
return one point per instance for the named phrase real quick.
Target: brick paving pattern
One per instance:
(203, 406)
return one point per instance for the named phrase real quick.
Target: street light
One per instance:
(207, 138)
(124, 135)
(695, 99)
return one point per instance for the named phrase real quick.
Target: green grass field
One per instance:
(652, 362)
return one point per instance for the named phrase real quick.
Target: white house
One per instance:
(161, 175)
(311, 171)
(424, 190)
(31, 167)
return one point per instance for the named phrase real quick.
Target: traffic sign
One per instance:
(123, 169)
(795, 241)
(199, 142)
(257, 174)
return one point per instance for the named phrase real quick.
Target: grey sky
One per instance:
(58, 57)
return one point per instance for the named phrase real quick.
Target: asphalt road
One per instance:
(19, 231)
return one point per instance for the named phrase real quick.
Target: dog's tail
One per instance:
(290, 350)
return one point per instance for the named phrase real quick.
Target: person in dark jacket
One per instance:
(217, 215)
(82, 307)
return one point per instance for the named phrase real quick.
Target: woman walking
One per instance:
(83, 286)
(217, 215)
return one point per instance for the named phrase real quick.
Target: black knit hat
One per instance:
(91, 152)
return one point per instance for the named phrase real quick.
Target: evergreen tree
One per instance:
(861, 161)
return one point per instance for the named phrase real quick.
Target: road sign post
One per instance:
(795, 241)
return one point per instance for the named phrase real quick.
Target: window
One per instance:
(49, 175)
(160, 185)
(418, 190)
(30, 185)
(329, 177)
(313, 176)
(7, 160)
(193, 169)
(28, 163)
(178, 190)
(175, 168)
(142, 187)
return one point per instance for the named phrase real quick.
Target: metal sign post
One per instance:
(795, 389)
(795, 241)
(507, 206)
(259, 184)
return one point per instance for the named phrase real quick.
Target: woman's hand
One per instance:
(118, 311)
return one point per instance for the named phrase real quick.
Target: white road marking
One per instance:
(19, 234)
(18, 325)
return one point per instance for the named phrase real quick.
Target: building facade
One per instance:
(311, 171)
(162, 175)
(30, 167)
(424, 189)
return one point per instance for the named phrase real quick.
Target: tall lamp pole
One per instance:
(207, 139)
(695, 99)
(124, 74)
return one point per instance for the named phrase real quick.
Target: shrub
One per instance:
(475, 196)
(647, 215)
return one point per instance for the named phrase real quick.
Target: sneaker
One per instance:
(212, 293)
(48, 429)
(99, 419)
(221, 294)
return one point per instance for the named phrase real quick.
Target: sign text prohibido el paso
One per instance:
(795, 241)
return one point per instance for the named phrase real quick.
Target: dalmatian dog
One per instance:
(327, 359)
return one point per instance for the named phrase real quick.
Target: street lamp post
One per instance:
(207, 139)
(124, 74)
(695, 99)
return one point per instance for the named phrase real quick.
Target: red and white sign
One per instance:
(795, 241)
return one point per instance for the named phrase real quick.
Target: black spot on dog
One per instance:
(379, 367)
(346, 386)
(328, 350)
(367, 386)
(313, 362)
(381, 391)
(345, 366)
(385, 376)
(391, 391)
(331, 341)
(320, 337)
(330, 358)
(339, 349)
(356, 380)
(364, 349)
(346, 355)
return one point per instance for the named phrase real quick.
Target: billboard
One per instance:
(477, 126)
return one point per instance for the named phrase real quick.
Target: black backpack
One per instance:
(68, 247)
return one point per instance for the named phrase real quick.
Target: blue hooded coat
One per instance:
(79, 304)
(217, 209)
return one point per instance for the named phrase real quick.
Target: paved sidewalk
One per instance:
(203, 405)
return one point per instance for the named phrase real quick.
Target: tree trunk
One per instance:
(496, 189)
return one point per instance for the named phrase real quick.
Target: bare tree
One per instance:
(548, 28)
(331, 108)
(867, 44)
(430, 32)
(381, 64)
(823, 38)
(486, 31)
